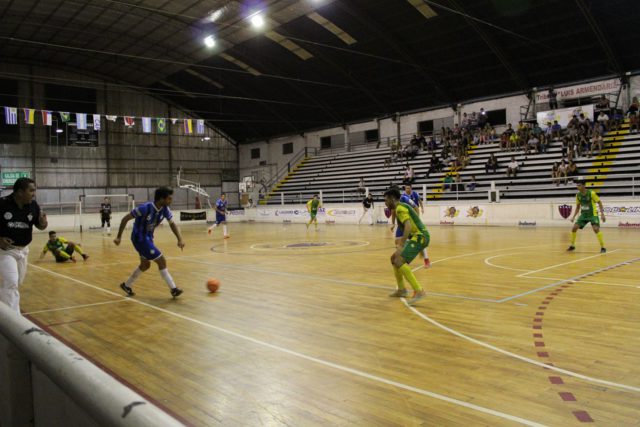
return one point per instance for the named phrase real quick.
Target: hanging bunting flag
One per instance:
(112, 118)
(96, 122)
(129, 121)
(81, 121)
(173, 121)
(11, 115)
(162, 125)
(29, 115)
(46, 118)
(188, 126)
(200, 127)
(146, 124)
(64, 116)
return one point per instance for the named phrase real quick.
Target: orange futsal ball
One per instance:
(213, 285)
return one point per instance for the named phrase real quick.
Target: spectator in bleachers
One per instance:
(572, 128)
(362, 188)
(464, 124)
(492, 163)
(603, 104)
(473, 121)
(513, 141)
(471, 186)
(603, 120)
(616, 120)
(554, 173)
(422, 142)
(432, 144)
(583, 143)
(409, 175)
(566, 143)
(597, 143)
(532, 144)
(411, 151)
(553, 98)
(448, 180)
(572, 170)
(556, 130)
(512, 167)
(482, 118)
(562, 173)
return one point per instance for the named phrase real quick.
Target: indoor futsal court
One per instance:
(514, 330)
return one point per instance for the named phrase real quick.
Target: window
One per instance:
(371, 135)
(9, 134)
(255, 153)
(287, 148)
(425, 127)
(497, 117)
(325, 142)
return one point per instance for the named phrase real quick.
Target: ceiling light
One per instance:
(209, 41)
(206, 138)
(215, 15)
(257, 20)
(59, 130)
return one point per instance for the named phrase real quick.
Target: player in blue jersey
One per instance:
(411, 198)
(221, 215)
(146, 218)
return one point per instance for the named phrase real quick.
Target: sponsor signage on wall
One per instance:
(467, 213)
(583, 90)
(193, 216)
(563, 115)
(623, 211)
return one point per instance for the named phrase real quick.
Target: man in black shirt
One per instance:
(18, 214)
(367, 205)
(105, 215)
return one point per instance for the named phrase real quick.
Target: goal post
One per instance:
(89, 215)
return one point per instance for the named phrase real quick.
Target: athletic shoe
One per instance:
(85, 257)
(227, 237)
(399, 293)
(208, 231)
(176, 292)
(127, 290)
(72, 259)
(603, 251)
(427, 263)
(571, 248)
(417, 296)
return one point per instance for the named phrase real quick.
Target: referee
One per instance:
(18, 214)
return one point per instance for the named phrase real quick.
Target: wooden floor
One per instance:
(303, 333)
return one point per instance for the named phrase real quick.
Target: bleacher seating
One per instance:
(337, 174)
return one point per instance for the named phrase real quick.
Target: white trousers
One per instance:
(367, 211)
(13, 269)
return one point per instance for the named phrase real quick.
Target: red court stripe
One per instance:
(537, 335)
(556, 380)
(537, 326)
(543, 354)
(583, 416)
(539, 344)
(567, 397)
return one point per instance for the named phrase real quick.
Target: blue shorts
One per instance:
(220, 218)
(399, 231)
(146, 248)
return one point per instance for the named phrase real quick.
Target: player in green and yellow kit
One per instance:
(62, 249)
(414, 239)
(312, 208)
(586, 201)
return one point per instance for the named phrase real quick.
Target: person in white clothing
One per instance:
(19, 212)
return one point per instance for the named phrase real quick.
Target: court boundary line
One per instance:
(526, 359)
(73, 307)
(566, 263)
(322, 362)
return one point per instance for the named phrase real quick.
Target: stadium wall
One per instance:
(124, 158)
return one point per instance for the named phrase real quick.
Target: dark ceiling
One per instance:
(401, 60)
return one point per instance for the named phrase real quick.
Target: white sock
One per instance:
(137, 272)
(167, 278)
(224, 230)
(424, 253)
(108, 230)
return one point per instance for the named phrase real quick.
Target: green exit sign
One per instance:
(9, 178)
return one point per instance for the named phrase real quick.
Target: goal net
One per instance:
(90, 218)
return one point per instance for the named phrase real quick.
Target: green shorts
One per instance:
(584, 220)
(414, 245)
(313, 214)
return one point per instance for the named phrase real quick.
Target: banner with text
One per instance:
(563, 115)
(583, 90)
